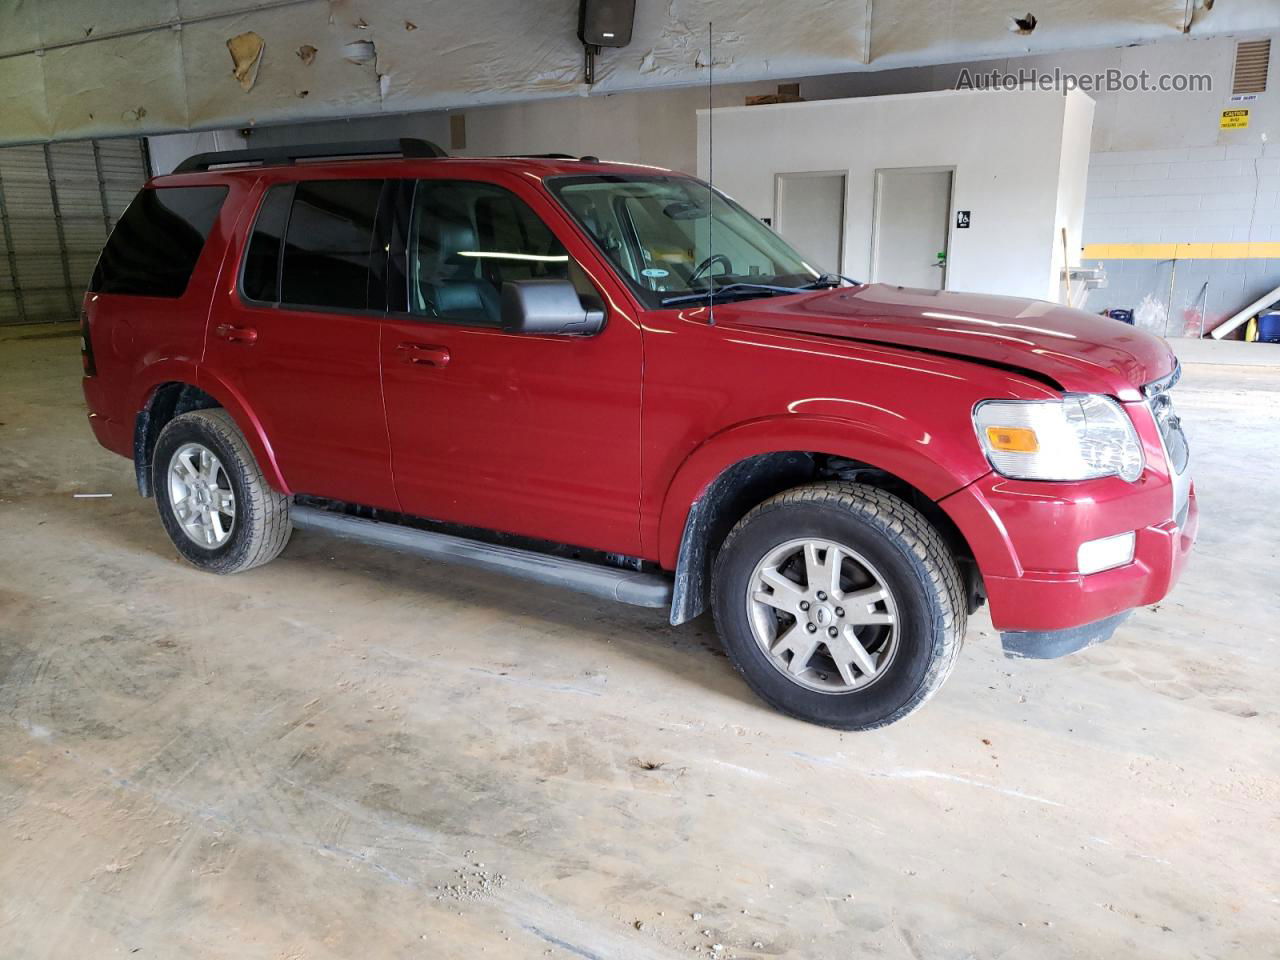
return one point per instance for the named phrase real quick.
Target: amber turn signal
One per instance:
(1013, 439)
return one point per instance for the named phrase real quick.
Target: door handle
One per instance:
(427, 355)
(234, 334)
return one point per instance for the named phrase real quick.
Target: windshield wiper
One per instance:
(733, 289)
(828, 280)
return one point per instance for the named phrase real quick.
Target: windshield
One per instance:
(657, 232)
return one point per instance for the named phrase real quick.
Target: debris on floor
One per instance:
(473, 883)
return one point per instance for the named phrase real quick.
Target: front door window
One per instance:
(466, 240)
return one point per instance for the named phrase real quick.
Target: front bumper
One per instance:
(1055, 601)
(1024, 540)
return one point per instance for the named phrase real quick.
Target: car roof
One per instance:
(344, 168)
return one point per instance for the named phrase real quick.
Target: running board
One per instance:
(624, 586)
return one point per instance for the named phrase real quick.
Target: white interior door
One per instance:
(912, 224)
(810, 217)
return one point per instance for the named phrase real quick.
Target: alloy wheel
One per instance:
(823, 615)
(201, 496)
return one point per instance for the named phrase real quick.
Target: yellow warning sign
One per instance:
(1234, 119)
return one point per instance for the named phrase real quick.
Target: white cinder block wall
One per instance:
(1190, 196)
(1184, 195)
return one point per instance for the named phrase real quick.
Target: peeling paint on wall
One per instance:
(1023, 26)
(246, 54)
(359, 51)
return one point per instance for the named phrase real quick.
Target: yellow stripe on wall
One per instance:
(1181, 251)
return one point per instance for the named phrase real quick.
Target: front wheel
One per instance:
(840, 604)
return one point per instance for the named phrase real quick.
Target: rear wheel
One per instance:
(214, 502)
(840, 604)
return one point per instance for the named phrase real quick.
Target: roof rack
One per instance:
(585, 158)
(405, 147)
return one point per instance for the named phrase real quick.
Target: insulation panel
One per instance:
(80, 68)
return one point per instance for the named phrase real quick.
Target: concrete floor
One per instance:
(353, 754)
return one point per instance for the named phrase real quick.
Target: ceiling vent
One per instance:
(1252, 60)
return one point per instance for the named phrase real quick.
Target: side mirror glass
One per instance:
(547, 306)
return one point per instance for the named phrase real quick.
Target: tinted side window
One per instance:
(154, 248)
(262, 261)
(466, 240)
(328, 243)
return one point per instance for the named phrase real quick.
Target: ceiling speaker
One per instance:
(606, 23)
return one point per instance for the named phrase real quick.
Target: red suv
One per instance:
(611, 378)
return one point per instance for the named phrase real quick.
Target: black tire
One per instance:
(261, 525)
(912, 559)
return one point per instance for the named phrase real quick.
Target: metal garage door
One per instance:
(57, 204)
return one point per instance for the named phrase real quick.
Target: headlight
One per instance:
(1078, 437)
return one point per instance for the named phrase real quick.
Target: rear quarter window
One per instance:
(154, 248)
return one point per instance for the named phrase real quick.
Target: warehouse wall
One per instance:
(1010, 178)
(1182, 212)
(165, 153)
(58, 202)
(1073, 180)
(1148, 180)
(1162, 173)
(1188, 235)
(658, 128)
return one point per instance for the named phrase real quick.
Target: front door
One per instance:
(535, 435)
(298, 339)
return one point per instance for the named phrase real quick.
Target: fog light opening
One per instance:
(1094, 556)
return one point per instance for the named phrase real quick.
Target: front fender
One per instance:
(935, 465)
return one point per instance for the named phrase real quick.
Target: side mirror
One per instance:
(547, 306)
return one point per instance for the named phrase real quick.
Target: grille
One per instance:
(1175, 441)
(1170, 426)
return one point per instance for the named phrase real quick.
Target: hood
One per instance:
(1078, 351)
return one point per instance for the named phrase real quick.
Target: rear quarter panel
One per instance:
(142, 342)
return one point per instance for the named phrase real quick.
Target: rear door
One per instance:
(529, 434)
(297, 339)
